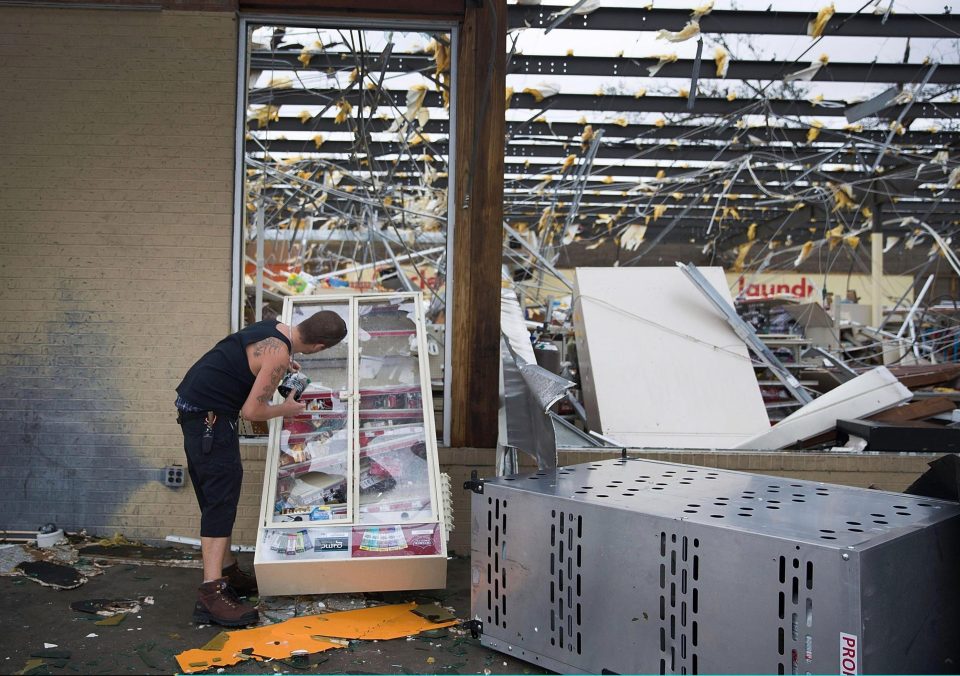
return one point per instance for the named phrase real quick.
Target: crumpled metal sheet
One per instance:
(529, 392)
(547, 387)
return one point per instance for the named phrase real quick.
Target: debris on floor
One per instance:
(137, 554)
(308, 635)
(111, 607)
(64, 555)
(33, 666)
(278, 608)
(51, 574)
(112, 620)
(11, 556)
(434, 613)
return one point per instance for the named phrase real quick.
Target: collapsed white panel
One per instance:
(868, 393)
(659, 367)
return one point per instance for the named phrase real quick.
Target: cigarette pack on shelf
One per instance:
(408, 540)
(351, 496)
(306, 544)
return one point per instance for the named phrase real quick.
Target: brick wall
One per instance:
(116, 197)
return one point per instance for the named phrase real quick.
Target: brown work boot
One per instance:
(217, 604)
(242, 582)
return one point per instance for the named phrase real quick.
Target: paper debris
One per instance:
(313, 634)
(702, 10)
(632, 237)
(662, 60)
(805, 252)
(691, 30)
(111, 621)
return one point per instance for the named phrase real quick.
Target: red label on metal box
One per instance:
(849, 654)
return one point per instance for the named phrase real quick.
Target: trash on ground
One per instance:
(312, 634)
(136, 554)
(110, 607)
(12, 556)
(51, 574)
(112, 620)
(434, 613)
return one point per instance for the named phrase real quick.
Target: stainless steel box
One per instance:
(638, 566)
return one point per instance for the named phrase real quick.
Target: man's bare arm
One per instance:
(258, 406)
(266, 394)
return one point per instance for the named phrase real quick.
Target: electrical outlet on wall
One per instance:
(173, 475)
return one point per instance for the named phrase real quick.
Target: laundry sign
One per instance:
(809, 287)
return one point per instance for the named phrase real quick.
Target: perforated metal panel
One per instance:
(565, 580)
(638, 566)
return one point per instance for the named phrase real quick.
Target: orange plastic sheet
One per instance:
(313, 634)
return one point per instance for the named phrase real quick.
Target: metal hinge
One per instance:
(475, 484)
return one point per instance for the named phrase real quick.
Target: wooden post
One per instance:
(478, 231)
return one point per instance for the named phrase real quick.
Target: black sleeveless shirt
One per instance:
(221, 379)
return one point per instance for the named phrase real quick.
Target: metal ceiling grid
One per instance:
(752, 149)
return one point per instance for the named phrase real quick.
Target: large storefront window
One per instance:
(347, 152)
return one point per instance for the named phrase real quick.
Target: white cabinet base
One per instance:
(290, 578)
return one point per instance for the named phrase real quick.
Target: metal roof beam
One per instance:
(408, 173)
(901, 24)
(616, 67)
(738, 70)
(606, 103)
(572, 130)
(627, 151)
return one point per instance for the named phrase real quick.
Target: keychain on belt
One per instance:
(207, 441)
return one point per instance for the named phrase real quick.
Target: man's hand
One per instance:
(294, 366)
(291, 407)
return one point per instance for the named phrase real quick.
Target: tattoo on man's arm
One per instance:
(268, 346)
(267, 393)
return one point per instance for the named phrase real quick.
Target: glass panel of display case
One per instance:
(328, 370)
(422, 539)
(314, 468)
(289, 544)
(394, 477)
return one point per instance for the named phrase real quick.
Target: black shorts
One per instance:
(217, 475)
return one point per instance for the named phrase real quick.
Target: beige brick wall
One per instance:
(116, 201)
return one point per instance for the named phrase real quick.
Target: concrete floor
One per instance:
(31, 615)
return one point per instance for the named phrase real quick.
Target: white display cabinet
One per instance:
(351, 495)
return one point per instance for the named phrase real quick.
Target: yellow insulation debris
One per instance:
(815, 27)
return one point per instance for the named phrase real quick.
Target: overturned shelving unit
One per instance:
(635, 566)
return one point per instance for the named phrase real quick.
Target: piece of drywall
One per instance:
(659, 366)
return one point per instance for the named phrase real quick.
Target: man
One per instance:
(238, 376)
